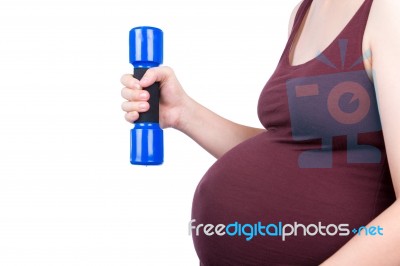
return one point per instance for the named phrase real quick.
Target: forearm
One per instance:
(373, 250)
(214, 133)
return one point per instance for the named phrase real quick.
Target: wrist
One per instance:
(186, 114)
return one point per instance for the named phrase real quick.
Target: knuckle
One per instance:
(129, 81)
(125, 79)
(149, 72)
(123, 105)
(124, 92)
(168, 70)
(132, 116)
(128, 118)
(126, 106)
(130, 95)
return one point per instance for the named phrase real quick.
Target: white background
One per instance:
(68, 194)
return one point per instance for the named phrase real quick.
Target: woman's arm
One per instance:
(384, 32)
(215, 134)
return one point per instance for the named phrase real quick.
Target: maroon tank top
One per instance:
(319, 170)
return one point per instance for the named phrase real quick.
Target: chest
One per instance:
(321, 27)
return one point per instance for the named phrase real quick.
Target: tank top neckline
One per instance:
(299, 19)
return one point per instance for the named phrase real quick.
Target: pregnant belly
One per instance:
(260, 181)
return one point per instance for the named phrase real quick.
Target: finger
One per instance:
(135, 106)
(129, 81)
(131, 116)
(155, 74)
(134, 94)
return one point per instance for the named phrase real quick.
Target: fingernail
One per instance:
(142, 106)
(144, 78)
(143, 95)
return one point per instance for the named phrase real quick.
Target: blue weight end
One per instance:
(147, 144)
(145, 47)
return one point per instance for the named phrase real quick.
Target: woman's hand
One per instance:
(215, 134)
(173, 99)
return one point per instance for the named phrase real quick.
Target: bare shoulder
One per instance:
(293, 16)
(382, 34)
(384, 18)
(384, 4)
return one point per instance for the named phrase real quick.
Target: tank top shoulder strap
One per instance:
(299, 17)
(356, 26)
(300, 14)
(354, 29)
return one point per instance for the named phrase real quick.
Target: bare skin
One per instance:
(218, 135)
(215, 134)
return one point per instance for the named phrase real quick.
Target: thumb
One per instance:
(155, 74)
